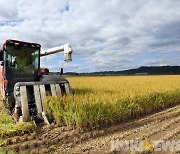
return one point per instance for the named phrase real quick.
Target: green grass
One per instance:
(8, 127)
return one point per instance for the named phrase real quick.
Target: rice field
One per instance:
(100, 101)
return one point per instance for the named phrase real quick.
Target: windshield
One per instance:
(22, 62)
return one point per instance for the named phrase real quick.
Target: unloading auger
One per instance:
(24, 84)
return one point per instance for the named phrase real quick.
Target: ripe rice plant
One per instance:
(98, 101)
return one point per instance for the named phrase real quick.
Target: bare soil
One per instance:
(162, 125)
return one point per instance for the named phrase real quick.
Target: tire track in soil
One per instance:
(65, 140)
(166, 120)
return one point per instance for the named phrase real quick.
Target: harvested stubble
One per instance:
(98, 101)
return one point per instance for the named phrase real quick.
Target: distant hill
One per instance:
(144, 70)
(152, 70)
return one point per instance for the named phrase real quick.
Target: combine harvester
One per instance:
(24, 84)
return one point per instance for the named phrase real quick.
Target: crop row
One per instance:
(101, 101)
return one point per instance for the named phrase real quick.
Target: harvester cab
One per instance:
(24, 84)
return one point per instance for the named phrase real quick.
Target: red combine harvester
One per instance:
(23, 84)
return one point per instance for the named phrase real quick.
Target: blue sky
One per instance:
(105, 35)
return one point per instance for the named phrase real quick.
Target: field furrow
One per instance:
(63, 139)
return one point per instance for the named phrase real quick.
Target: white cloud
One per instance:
(105, 35)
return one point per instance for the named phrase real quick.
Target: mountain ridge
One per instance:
(143, 70)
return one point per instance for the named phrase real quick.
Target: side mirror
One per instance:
(1, 55)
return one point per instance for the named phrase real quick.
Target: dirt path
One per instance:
(164, 125)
